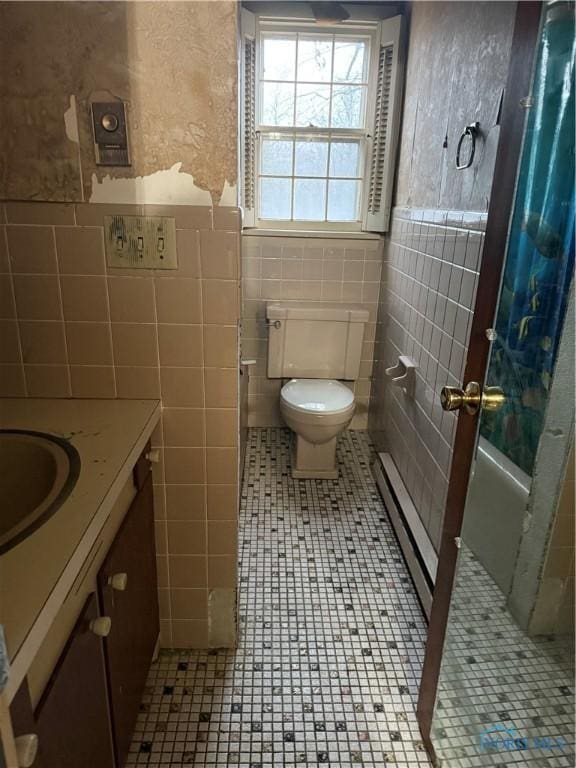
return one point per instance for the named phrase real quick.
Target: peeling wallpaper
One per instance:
(174, 63)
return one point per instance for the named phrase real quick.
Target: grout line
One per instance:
(418, 312)
(63, 319)
(205, 450)
(110, 338)
(11, 279)
(164, 521)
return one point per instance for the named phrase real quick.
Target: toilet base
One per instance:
(312, 461)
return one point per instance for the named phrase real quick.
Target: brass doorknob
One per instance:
(472, 399)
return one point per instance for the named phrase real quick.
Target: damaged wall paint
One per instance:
(168, 187)
(554, 448)
(222, 618)
(71, 121)
(173, 63)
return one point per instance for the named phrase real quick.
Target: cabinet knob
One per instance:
(101, 626)
(153, 456)
(26, 749)
(118, 581)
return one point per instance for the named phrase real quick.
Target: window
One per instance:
(313, 132)
(311, 127)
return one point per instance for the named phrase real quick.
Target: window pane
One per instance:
(313, 105)
(276, 157)
(277, 104)
(311, 158)
(349, 58)
(347, 106)
(309, 199)
(345, 158)
(314, 60)
(275, 198)
(279, 59)
(343, 200)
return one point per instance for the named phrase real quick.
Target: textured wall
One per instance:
(554, 607)
(173, 62)
(457, 65)
(305, 269)
(543, 583)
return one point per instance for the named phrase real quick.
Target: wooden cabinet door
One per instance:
(23, 720)
(134, 612)
(72, 719)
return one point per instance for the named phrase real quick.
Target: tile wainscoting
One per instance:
(432, 261)
(305, 269)
(73, 327)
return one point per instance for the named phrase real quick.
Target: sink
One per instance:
(37, 474)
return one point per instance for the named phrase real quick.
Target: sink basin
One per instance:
(37, 474)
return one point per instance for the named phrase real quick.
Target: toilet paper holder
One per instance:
(403, 374)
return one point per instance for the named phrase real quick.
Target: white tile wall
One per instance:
(432, 260)
(305, 269)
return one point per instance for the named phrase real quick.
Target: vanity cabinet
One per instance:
(72, 716)
(127, 589)
(86, 712)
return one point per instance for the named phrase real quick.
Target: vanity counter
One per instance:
(37, 574)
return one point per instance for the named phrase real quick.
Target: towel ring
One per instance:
(471, 130)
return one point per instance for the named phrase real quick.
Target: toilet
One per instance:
(314, 346)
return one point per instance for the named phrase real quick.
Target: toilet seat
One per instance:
(320, 397)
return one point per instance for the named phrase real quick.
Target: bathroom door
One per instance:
(493, 692)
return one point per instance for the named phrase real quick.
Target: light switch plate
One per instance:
(140, 242)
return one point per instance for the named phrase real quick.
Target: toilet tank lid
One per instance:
(315, 310)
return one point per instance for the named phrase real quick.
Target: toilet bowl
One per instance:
(317, 411)
(315, 346)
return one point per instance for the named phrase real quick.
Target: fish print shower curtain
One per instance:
(540, 259)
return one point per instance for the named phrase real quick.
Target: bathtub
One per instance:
(497, 499)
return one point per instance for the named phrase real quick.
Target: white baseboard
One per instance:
(420, 556)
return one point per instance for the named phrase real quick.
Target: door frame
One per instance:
(512, 122)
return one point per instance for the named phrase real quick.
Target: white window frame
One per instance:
(369, 33)
(377, 164)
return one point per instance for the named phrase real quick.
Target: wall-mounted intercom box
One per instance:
(110, 133)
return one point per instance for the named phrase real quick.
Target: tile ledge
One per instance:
(318, 233)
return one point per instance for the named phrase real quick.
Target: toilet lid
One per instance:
(317, 395)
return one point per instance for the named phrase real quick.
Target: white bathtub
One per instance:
(497, 499)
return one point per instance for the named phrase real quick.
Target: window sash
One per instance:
(294, 82)
(332, 137)
(364, 31)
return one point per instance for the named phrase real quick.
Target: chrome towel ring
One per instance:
(472, 130)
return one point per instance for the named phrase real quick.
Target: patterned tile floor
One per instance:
(498, 685)
(331, 633)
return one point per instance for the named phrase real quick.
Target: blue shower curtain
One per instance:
(540, 258)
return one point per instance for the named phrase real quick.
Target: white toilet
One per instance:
(313, 345)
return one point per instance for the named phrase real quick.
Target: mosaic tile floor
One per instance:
(331, 634)
(498, 685)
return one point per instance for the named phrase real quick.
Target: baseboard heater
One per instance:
(420, 556)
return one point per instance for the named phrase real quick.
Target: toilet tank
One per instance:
(314, 340)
